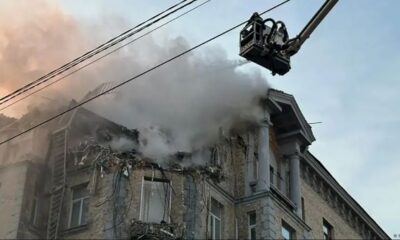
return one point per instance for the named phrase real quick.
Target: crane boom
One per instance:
(312, 25)
(270, 46)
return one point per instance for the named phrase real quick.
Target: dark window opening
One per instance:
(327, 230)
(303, 211)
(271, 175)
(252, 218)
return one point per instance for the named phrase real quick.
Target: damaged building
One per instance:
(68, 181)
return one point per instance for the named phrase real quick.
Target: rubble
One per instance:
(153, 231)
(104, 159)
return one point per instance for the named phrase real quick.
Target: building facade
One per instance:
(257, 183)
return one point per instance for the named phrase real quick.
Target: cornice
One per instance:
(330, 181)
(276, 96)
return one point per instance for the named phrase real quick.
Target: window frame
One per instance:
(272, 175)
(213, 216)
(289, 229)
(252, 226)
(326, 225)
(34, 211)
(303, 209)
(255, 167)
(81, 200)
(159, 180)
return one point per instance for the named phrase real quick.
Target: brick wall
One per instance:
(316, 209)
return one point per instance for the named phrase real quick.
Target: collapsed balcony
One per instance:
(102, 158)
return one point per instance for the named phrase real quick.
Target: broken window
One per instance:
(252, 225)
(215, 220)
(156, 199)
(215, 156)
(79, 207)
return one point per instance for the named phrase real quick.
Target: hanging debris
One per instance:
(150, 231)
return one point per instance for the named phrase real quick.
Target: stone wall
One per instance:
(12, 180)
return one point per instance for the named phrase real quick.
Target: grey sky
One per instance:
(345, 76)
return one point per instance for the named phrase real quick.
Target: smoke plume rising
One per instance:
(182, 106)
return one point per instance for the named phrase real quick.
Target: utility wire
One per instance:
(105, 55)
(95, 51)
(138, 75)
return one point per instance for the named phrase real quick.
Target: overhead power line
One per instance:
(138, 75)
(112, 42)
(105, 55)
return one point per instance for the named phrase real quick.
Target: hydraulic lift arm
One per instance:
(270, 47)
(294, 47)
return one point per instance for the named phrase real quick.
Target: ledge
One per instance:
(282, 198)
(35, 229)
(72, 170)
(77, 229)
(252, 197)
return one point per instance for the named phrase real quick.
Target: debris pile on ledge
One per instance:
(150, 231)
(102, 158)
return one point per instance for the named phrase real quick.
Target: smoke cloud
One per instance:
(182, 106)
(186, 105)
(35, 37)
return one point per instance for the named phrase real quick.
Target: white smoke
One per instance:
(183, 106)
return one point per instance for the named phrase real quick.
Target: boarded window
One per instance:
(156, 197)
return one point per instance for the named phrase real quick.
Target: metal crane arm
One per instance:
(295, 44)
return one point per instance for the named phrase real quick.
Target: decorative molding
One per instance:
(283, 98)
(338, 199)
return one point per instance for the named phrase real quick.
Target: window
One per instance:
(252, 225)
(287, 183)
(79, 208)
(215, 158)
(156, 198)
(271, 174)
(34, 211)
(215, 220)
(303, 211)
(255, 166)
(287, 231)
(328, 230)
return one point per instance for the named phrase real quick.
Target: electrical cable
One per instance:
(137, 76)
(89, 52)
(94, 52)
(105, 55)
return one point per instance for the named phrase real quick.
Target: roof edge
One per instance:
(328, 177)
